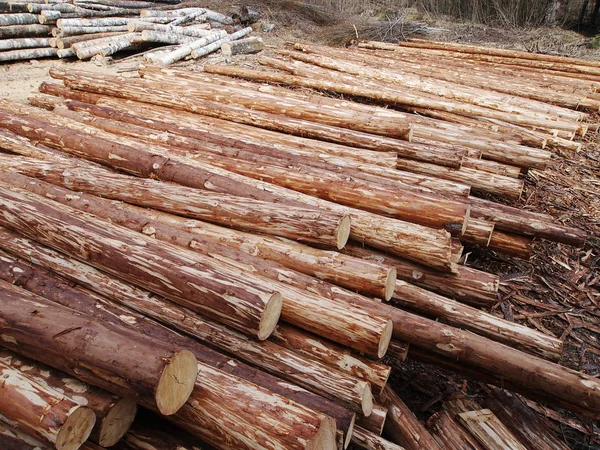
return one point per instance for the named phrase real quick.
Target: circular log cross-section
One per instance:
(116, 423)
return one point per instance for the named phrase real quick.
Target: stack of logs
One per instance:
(85, 30)
(238, 257)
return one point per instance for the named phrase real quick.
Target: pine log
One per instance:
(19, 145)
(41, 411)
(512, 244)
(398, 351)
(151, 305)
(243, 46)
(485, 324)
(468, 285)
(12, 438)
(303, 294)
(206, 285)
(18, 19)
(61, 91)
(362, 438)
(479, 180)
(477, 232)
(15, 44)
(403, 427)
(529, 223)
(151, 380)
(449, 434)
(30, 53)
(195, 127)
(530, 428)
(352, 85)
(114, 415)
(375, 421)
(492, 167)
(483, 424)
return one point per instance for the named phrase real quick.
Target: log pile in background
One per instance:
(100, 29)
(201, 220)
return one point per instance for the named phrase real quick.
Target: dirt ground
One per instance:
(557, 292)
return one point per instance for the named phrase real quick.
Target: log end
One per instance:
(367, 400)
(270, 316)
(348, 435)
(343, 232)
(117, 422)
(76, 429)
(176, 382)
(386, 338)
(390, 284)
(325, 437)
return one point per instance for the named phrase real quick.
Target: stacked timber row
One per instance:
(100, 29)
(245, 254)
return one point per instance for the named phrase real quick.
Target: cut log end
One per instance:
(386, 338)
(409, 135)
(270, 316)
(176, 382)
(117, 422)
(367, 400)
(343, 232)
(325, 437)
(390, 284)
(76, 429)
(348, 436)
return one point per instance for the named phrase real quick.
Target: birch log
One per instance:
(165, 37)
(150, 305)
(17, 19)
(243, 46)
(153, 371)
(66, 42)
(43, 412)
(187, 49)
(16, 44)
(135, 25)
(114, 415)
(206, 286)
(30, 53)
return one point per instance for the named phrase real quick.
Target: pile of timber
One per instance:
(86, 29)
(237, 258)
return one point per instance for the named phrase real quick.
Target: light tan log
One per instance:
(17, 19)
(65, 53)
(449, 434)
(15, 44)
(483, 424)
(296, 221)
(374, 422)
(403, 427)
(153, 371)
(391, 235)
(477, 232)
(362, 438)
(12, 438)
(30, 53)
(49, 17)
(24, 31)
(243, 46)
(41, 411)
(533, 430)
(519, 221)
(512, 244)
(152, 305)
(479, 180)
(247, 306)
(467, 285)
(492, 167)
(480, 322)
(114, 415)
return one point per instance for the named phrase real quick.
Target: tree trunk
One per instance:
(403, 427)
(41, 411)
(243, 46)
(68, 41)
(92, 47)
(512, 244)
(114, 415)
(24, 31)
(165, 37)
(18, 19)
(150, 305)
(15, 44)
(137, 25)
(27, 330)
(370, 441)
(206, 285)
(449, 434)
(12, 438)
(375, 421)
(30, 53)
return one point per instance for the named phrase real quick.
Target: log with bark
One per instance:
(12, 438)
(243, 46)
(150, 305)
(29, 53)
(41, 411)
(24, 31)
(16, 44)
(368, 440)
(375, 421)
(17, 19)
(450, 434)
(114, 415)
(146, 370)
(217, 289)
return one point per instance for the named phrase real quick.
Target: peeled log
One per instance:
(375, 421)
(151, 305)
(243, 46)
(41, 411)
(157, 435)
(114, 415)
(512, 244)
(367, 440)
(206, 285)
(12, 438)
(26, 329)
(23, 31)
(480, 322)
(30, 53)
(449, 434)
